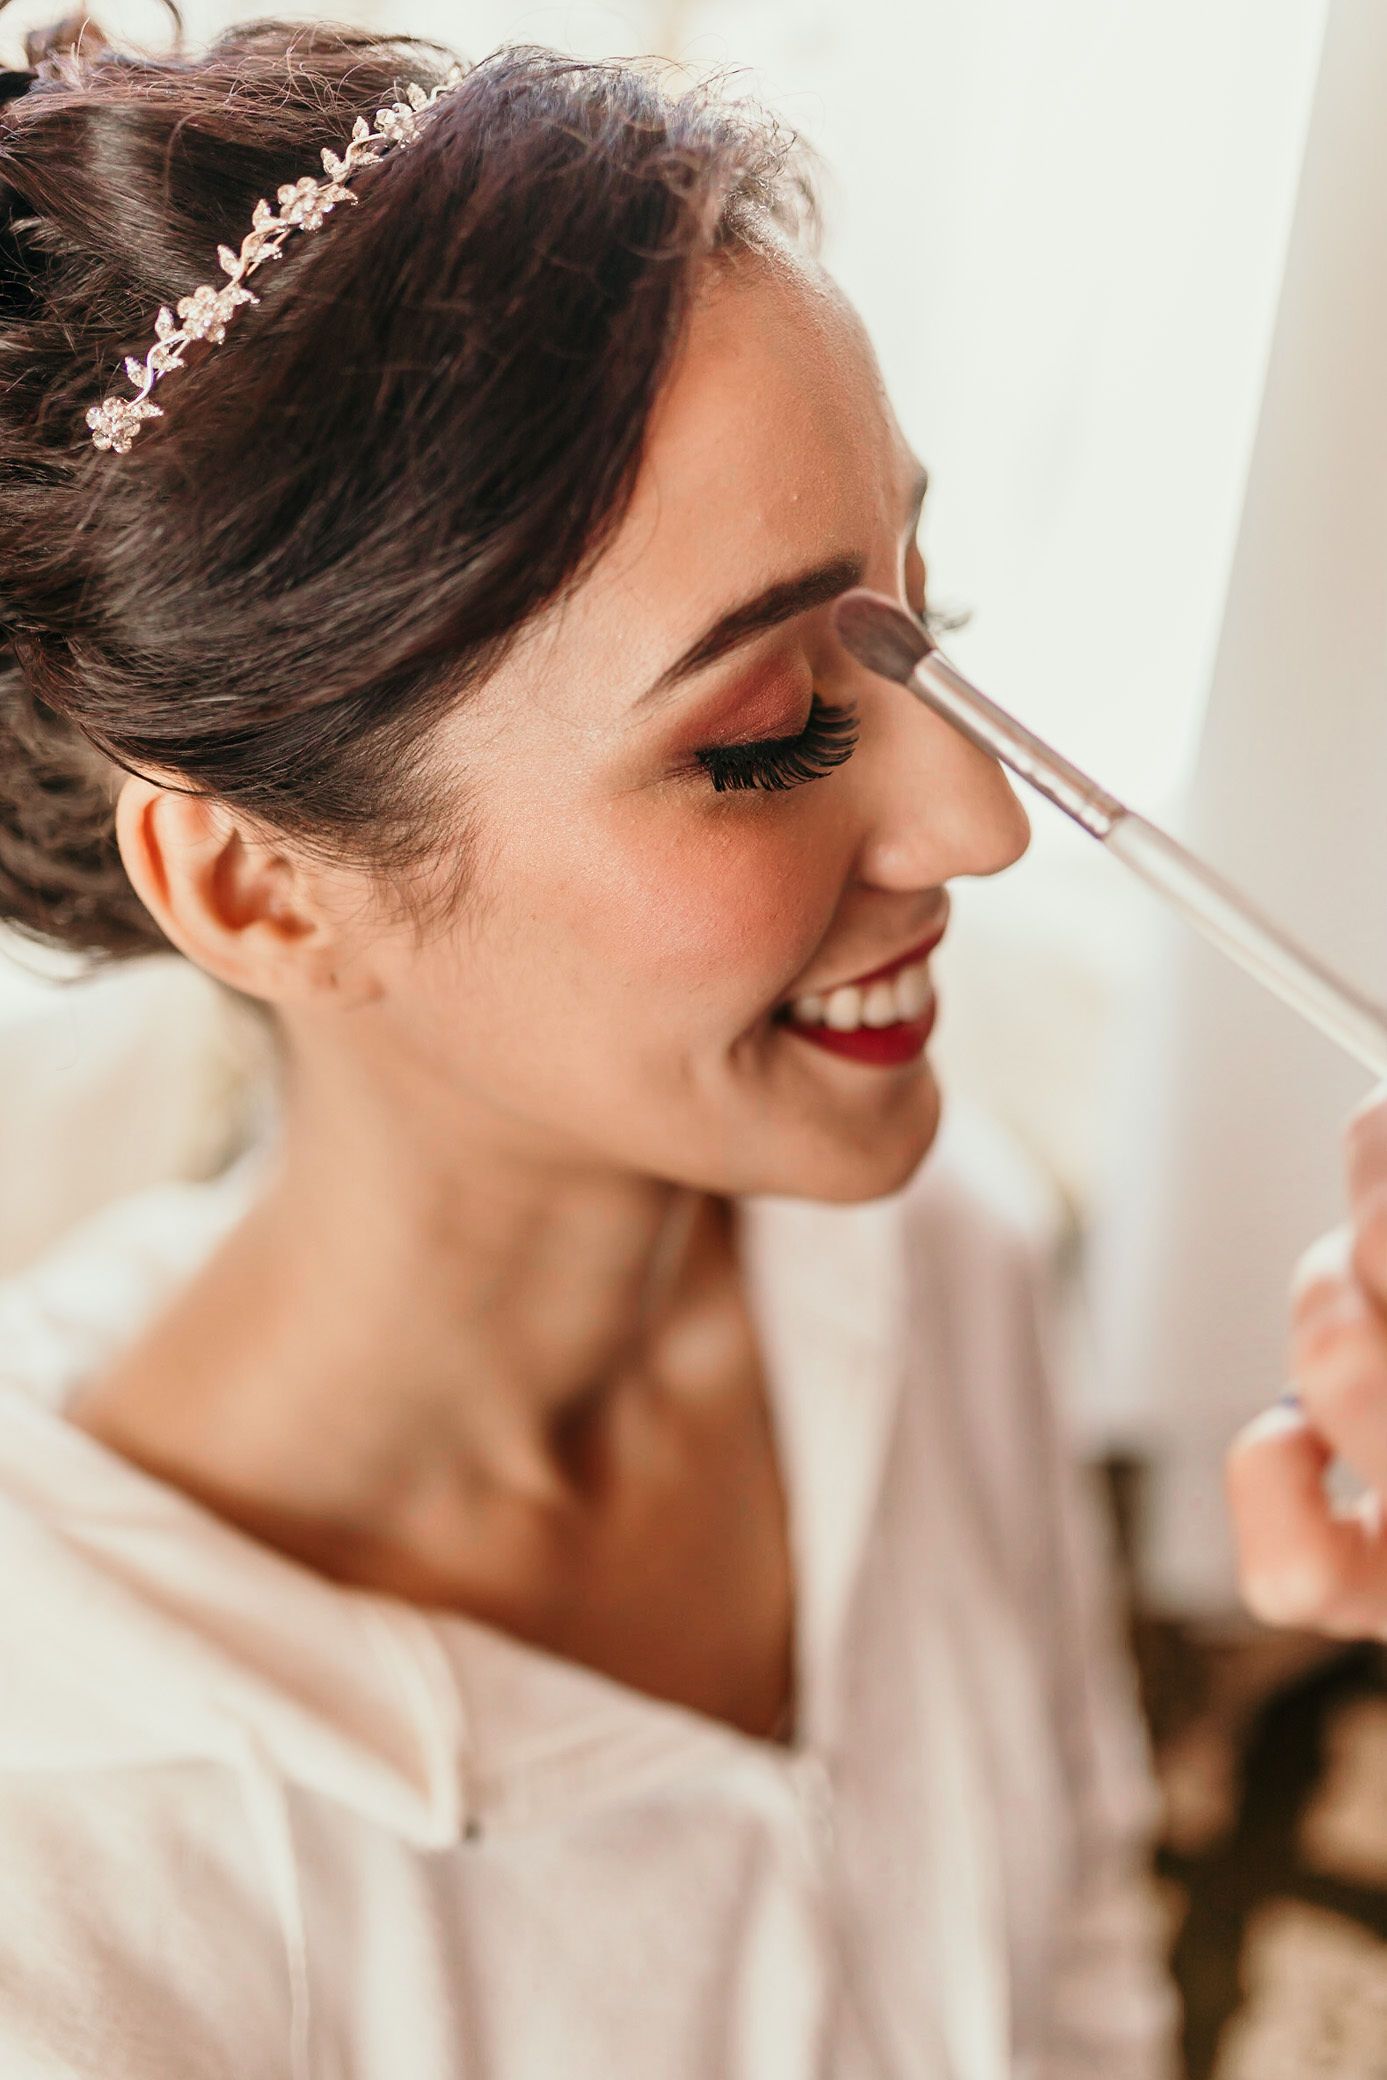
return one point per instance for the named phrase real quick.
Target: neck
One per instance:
(407, 1295)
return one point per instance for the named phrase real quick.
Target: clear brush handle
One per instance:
(1230, 923)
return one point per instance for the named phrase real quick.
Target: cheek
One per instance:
(725, 914)
(646, 909)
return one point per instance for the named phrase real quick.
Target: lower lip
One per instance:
(885, 1047)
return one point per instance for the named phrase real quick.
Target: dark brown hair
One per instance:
(426, 431)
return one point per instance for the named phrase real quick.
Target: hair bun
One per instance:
(74, 31)
(75, 34)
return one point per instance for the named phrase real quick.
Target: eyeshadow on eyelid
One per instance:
(750, 711)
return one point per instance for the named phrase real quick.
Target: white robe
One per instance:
(255, 1825)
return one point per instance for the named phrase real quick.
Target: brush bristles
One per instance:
(880, 635)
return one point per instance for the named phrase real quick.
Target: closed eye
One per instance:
(827, 740)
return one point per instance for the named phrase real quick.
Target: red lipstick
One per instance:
(883, 1046)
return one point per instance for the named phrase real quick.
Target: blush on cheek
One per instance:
(730, 917)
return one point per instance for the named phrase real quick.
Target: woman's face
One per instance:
(606, 995)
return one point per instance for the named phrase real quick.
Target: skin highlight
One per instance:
(517, 1146)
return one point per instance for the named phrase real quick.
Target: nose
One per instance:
(933, 806)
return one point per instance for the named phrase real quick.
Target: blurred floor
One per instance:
(1275, 1852)
(1272, 1753)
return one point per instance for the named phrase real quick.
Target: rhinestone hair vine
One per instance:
(304, 204)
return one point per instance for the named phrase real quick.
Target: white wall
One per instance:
(1225, 1157)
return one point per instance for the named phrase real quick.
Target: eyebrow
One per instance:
(776, 604)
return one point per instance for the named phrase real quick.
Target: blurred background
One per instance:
(1125, 264)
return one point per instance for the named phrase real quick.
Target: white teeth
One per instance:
(843, 1011)
(913, 990)
(879, 1004)
(903, 995)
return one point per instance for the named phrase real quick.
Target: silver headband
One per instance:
(304, 204)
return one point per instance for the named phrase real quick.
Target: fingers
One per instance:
(1365, 1150)
(1365, 1141)
(1303, 1561)
(1321, 1273)
(1338, 1356)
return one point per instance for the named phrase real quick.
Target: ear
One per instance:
(236, 904)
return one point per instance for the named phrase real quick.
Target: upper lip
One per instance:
(917, 952)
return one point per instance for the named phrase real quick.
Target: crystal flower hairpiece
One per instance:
(304, 204)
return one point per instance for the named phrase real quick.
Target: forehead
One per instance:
(772, 447)
(775, 403)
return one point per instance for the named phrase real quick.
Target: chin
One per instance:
(846, 1172)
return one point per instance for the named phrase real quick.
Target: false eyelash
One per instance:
(827, 739)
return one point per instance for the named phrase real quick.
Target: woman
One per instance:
(561, 1563)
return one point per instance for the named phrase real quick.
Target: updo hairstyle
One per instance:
(426, 430)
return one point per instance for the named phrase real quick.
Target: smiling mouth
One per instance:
(898, 992)
(892, 1000)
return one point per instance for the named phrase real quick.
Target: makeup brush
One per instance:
(896, 646)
